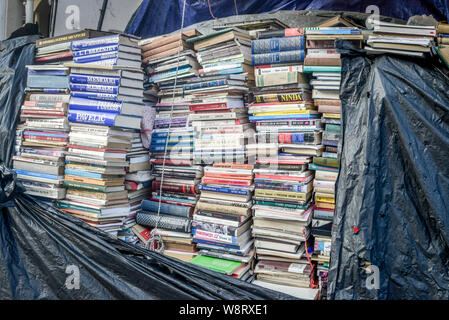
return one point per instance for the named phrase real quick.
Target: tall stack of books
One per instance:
(174, 191)
(106, 102)
(324, 63)
(222, 222)
(288, 135)
(39, 158)
(220, 118)
(411, 40)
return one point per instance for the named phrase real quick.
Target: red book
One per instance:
(44, 138)
(173, 187)
(208, 106)
(227, 176)
(226, 181)
(54, 57)
(275, 177)
(29, 103)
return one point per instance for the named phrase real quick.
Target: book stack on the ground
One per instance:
(138, 175)
(58, 49)
(170, 64)
(288, 135)
(219, 115)
(324, 63)
(39, 158)
(222, 221)
(105, 103)
(411, 40)
(172, 222)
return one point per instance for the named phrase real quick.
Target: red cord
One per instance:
(313, 284)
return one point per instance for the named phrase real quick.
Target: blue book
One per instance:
(283, 187)
(224, 72)
(215, 83)
(48, 82)
(277, 44)
(105, 96)
(96, 50)
(95, 105)
(168, 74)
(94, 88)
(278, 57)
(47, 72)
(103, 42)
(36, 174)
(241, 192)
(83, 173)
(96, 57)
(218, 244)
(104, 118)
(45, 134)
(91, 79)
(166, 208)
(319, 30)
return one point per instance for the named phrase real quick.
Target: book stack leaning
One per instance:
(288, 134)
(222, 220)
(170, 64)
(43, 134)
(324, 63)
(105, 109)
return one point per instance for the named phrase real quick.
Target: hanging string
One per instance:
(235, 5)
(156, 243)
(210, 10)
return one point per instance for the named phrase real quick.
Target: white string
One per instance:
(155, 238)
(235, 5)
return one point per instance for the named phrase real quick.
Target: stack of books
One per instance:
(222, 222)
(324, 63)
(42, 139)
(288, 134)
(172, 222)
(171, 147)
(106, 102)
(58, 49)
(219, 115)
(411, 40)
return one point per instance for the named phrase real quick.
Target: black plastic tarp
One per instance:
(392, 194)
(47, 254)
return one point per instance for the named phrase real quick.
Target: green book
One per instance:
(333, 128)
(216, 264)
(328, 162)
(210, 35)
(314, 166)
(281, 204)
(321, 69)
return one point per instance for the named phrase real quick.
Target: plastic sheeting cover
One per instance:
(392, 194)
(155, 17)
(47, 254)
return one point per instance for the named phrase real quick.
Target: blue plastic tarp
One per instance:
(155, 17)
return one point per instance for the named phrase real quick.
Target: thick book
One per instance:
(116, 39)
(166, 208)
(105, 80)
(215, 264)
(104, 118)
(111, 48)
(277, 44)
(84, 34)
(278, 57)
(288, 32)
(163, 221)
(118, 90)
(47, 81)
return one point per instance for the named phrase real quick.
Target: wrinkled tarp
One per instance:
(392, 194)
(43, 250)
(155, 17)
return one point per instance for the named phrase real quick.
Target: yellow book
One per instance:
(332, 115)
(281, 194)
(325, 199)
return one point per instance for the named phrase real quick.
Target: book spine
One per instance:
(222, 190)
(173, 223)
(279, 204)
(219, 215)
(288, 32)
(173, 188)
(222, 208)
(96, 57)
(280, 194)
(214, 243)
(213, 236)
(94, 95)
(93, 88)
(208, 84)
(47, 82)
(94, 80)
(282, 187)
(100, 118)
(95, 106)
(275, 79)
(95, 42)
(63, 38)
(328, 162)
(313, 166)
(97, 50)
(207, 226)
(165, 208)
(207, 106)
(225, 181)
(289, 97)
(277, 44)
